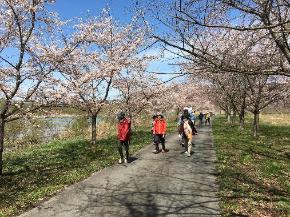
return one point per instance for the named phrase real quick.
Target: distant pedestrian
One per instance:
(159, 132)
(124, 133)
(200, 117)
(207, 118)
(191, 115)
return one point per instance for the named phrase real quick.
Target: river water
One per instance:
(48, 129)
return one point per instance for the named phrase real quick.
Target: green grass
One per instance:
(254, 173)
(36, 173)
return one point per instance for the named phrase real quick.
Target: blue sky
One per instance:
(121, 10)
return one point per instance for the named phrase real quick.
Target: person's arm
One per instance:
(153, 127)
(193, 117)
(193, 129)
(190, 124)
(119, 131)
(127, 130)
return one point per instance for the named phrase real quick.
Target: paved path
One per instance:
(169, 184)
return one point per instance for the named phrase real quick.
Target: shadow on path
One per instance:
(164, 184)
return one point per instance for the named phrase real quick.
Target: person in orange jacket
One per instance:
(159, 132)
(124, 133)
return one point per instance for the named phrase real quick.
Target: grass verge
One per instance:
(34, 174)
(254, 173)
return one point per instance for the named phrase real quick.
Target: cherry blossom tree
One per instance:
(230, 93)
(137, 87)
(192, 25)
(271, 18)
(186, 93)
(263, 91)
(232, 86)
(255, 58)
(237, 45)
(105, 49)
(248, 92)
(26, 80)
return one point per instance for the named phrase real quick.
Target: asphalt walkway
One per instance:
(164, 184)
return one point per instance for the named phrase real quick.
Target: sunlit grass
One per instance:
(254, 173)
(36, 173)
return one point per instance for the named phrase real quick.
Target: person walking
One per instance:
(159, 132)
(192, 115)
(200, 117)
(180, 126)
(187, 112)
(124, 134)
(207, 118)
(188, 132)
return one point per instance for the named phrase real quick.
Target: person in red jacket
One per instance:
(159, 132)
(124, 133)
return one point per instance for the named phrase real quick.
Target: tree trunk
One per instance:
(94, 129)
(2, 124)
(256, 123)
(234, 117)
(242, 120)
(242, 115)
(229, 115)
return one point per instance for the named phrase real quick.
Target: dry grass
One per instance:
(276, 119)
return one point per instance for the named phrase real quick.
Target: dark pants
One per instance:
(207, 121)
(124, 144)
(158, 138)
(200, 121)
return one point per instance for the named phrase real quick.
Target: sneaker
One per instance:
(187, 154)
(155, 151)
(125, 160)
(120, 161)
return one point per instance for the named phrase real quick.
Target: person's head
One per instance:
(121, 115)
(185, 112)
(159, 116)
(185, 116)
